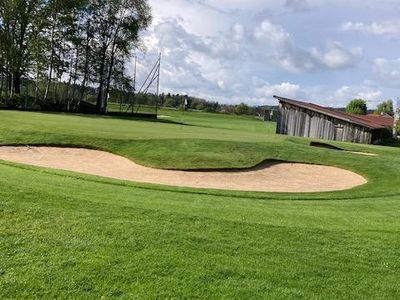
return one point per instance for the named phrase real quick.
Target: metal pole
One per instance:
(134, 75)
(134, 84)
(158, 82)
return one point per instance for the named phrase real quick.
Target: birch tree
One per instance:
(118, 23)
(63, 47)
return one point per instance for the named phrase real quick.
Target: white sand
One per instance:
(364, 153)
(269, 177)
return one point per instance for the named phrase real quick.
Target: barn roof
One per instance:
(355, 119)
(384, 120)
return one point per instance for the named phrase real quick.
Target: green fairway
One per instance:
(66, 235)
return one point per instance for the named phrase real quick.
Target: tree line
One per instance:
(359, 107)
(185, 102)
(57, 51)
(188, 102)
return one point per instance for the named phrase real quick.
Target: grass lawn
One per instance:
(66, 235)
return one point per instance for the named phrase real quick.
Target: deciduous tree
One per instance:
(357, 107)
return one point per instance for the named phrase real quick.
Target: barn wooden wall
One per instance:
(297, 121)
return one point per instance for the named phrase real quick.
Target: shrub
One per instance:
(357, 107)
(385, 107)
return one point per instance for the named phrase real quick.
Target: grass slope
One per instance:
(75, 236)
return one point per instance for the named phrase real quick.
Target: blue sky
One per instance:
(231, 51)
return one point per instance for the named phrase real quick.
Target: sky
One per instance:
(231, 51)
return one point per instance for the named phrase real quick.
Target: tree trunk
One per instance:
(37, 84)
(110, 69)
(11, 86)
(66, 92)
(55, 85)
(86, 70)
(99, 102)
(46, 93)
(100, 94)
(75, 77)
(17, 83)
(8, 87)
(1, 85)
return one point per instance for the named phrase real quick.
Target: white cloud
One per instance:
(274, 33)
(391, 29)
(338, 57)
(222, 66)
(235, 50)
(280, 49)
(388, 71)
(234, 5)
(347, 93)
(238, 32)
(285, 89)
(328, 96)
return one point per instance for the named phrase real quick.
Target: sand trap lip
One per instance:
(333, 147)
(363, 153)
(267, 177)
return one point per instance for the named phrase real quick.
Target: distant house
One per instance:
(303, 119)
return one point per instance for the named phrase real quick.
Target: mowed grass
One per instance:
(66, 235)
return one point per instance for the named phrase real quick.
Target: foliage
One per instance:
(398, 126)
(79, 43)
(357, 107)
(244, 109)
(385, 107)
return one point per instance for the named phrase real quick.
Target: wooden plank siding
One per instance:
(298, 121)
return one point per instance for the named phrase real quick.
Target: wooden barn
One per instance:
(303, 119)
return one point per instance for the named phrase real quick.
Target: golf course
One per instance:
(79, 236)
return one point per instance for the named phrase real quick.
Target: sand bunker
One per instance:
(268, 177)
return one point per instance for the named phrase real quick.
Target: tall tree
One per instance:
(20, 21)
(386, 107)
(357, 107)
(118, 23)
(63, 48)
(60, 31)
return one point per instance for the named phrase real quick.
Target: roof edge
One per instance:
(338, 115)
